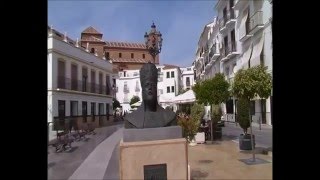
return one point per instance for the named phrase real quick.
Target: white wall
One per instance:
(59, 50)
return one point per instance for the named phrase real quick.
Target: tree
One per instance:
(250, 83)
(181, 91)
(115, 103)
(191, 124)
(212, 91)
(134, 99)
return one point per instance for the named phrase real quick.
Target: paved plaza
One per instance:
(97, 158)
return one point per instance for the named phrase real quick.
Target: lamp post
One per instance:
(153, 42)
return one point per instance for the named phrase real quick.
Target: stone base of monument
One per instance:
(163, 158)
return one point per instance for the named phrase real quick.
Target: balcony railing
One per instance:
(256, 20)
(212, 51)
(82, 86)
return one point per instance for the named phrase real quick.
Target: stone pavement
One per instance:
(220, 160)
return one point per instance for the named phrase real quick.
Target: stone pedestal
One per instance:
(157, 152)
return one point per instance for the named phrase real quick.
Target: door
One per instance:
(84, 111)
(61, 114)
(107, 111)
(93, 110)
(263, 111)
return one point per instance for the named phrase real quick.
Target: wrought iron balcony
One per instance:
(256, 22)
(82, 86)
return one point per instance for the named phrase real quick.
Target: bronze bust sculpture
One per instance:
(150, 114)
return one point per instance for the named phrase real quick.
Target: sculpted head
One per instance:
(149, 81)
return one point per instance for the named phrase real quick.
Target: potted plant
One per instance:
(215, 118)
(190, 124)
(213, 91)
(244, 122)
(248, 84)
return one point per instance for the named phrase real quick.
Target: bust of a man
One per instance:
(150, 114)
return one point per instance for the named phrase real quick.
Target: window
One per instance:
(233, 41)
(107, 55)
(143, 56)
(252, 107)
(172, 74)
(124, 74)
(226, 45)
(101, 111)
(125, 87)
(61, 109)
(61, 112)
(120, 55)
(172, 89)
(73, 108)
(137, 89)
(247, 21)
(93, 81)
(61, 72)
(132, 55)
(84, 111)
(188, 69)
(107, 111)
(100, 83)
(84, 79)
(168, 89)
(74, 77)
(108, 85)
(168, 74)
(262, 57)
(188, 81)
(93, 110)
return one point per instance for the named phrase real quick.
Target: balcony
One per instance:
(82, 86)
(225, 52)
(256, 22)
(232, 50)
(213, 55)
(246, 36)
(239, 4)
(222, 25)
(230, 20)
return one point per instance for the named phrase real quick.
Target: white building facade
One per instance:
(239, 37)
(187, 77)
(79, 83)
(169, 83)
(254, 26)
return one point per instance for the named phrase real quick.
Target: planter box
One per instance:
(245, 142)
(200, 137)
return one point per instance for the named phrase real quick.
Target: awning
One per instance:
(186, 97)
(243, 24)
(246, 56)
(256, 52)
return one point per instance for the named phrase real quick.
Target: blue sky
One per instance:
(180, 22)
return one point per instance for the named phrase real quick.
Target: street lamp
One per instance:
(153, 41)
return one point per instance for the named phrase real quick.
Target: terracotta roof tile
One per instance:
(129, 60)
(91, 30)
(125, 45)
(170, 66)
